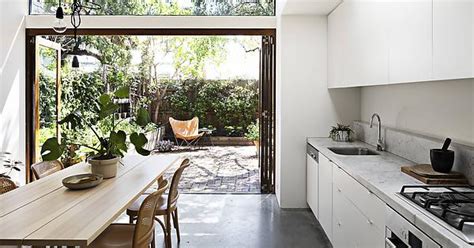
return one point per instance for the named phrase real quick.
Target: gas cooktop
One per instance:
(453, 205)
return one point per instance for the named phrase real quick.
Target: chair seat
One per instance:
(116, 235)
(188, 136)
(161, 206)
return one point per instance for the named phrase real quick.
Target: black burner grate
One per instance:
(452, 204)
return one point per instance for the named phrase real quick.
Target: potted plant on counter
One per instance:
(253, 134)
(341, 133)
(110, 145)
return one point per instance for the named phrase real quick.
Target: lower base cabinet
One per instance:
(358, 215)
(350, 214)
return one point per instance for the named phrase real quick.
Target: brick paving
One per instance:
(220, 169)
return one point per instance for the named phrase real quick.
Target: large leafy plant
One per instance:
(108, 144)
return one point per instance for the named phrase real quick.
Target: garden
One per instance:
(214, 78)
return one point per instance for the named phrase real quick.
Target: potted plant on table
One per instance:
(341, 133)
(253, 134)
(110, 145)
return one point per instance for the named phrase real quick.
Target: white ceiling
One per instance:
(306, 7)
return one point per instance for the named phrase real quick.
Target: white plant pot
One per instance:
(107, 167)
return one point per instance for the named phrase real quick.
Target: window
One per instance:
(165, 7)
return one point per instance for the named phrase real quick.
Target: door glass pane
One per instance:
(47, 105)
(166, 7)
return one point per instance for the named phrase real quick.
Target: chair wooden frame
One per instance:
(171, 211)
(144, 229)
(6, 185)
(46, 168)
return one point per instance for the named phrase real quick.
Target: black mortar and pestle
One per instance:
(442, 160)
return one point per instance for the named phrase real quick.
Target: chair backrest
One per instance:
(6, 185)
(173, 195)
(145, 226)
(182, 129)
(46, 168)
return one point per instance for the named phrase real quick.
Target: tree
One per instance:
(189, 55)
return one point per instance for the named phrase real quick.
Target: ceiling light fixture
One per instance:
(59, 25)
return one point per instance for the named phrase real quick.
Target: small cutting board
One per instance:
(426, 174)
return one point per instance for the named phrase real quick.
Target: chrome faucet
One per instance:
(380, 143)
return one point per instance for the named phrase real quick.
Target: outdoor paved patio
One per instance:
(220, 169)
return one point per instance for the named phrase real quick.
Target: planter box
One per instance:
(225, 141)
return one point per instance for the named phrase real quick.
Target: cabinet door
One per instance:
(337, 47)
(348, 226)
(410, 40)
(358, 46)
(312, 184)
(453, 31)
(325, 195)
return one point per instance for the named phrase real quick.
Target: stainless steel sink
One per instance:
(352, 151)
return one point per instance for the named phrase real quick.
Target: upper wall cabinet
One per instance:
(388, 42)
(409, 27)
(453, 40)
(357, 44)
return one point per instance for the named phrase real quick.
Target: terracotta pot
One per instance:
(105, 167)
(257, 145)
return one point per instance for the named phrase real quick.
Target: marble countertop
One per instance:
(381, 174)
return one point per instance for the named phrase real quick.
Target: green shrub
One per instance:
(228, 105)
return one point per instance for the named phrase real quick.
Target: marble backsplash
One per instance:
(416, 147)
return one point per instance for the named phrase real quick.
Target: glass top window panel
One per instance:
(162, 7)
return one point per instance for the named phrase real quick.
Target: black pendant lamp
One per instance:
(59, 25)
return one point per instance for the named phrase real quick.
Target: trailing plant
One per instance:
(164, 146)
(111, 141)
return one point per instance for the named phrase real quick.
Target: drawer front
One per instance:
(351, 228)
(346, 231)
(367, 202)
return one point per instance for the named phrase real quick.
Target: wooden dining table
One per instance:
(44, 212)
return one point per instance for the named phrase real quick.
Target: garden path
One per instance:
(219, 169)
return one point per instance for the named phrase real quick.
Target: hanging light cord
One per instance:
(77, 7)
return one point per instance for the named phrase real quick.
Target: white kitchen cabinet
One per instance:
(366, 201)
(325, 195)
(410, 40)
(453, 39)
(357, 45)
(370, 214)
(312, 176)
(346, 222)
(389, 42)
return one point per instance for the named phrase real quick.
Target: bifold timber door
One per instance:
(47, 94)
(267, 115)
(265, 43)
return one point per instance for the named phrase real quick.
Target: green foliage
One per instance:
(334, 133)
(108, 144)
(174, 8)
(233, 104)
(253, 131)
(47, 100)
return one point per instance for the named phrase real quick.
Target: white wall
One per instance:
(440, 109)
(305, 107)
(12, 77)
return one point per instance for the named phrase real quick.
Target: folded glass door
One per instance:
(47, 93)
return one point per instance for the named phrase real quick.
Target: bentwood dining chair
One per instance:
(140, 235)
(46, 168)
(6, 185)
(167, 206)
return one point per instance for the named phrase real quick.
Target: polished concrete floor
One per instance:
(243, 221)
